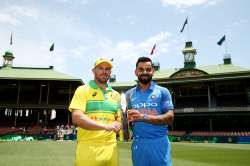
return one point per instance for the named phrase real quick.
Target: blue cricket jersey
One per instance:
(155, 100)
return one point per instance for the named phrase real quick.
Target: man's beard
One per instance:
(145, 80)
(102, 81)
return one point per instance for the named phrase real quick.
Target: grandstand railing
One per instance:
(214, 109)
(20, 106)
(209, 133)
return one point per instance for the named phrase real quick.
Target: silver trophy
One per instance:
(125, 123)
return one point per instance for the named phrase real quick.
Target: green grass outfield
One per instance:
(61, 153)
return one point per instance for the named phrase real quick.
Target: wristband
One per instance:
(145, 117)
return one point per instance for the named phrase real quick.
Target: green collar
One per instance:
(93, 85)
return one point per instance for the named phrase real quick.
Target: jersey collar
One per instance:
(93, 85)
(151, 87)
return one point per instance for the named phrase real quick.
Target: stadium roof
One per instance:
(221, 69)
(210, 69)
(123, 84)
(29, 73)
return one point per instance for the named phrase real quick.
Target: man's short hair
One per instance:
(143, 59)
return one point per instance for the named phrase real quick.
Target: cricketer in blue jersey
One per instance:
(150, 111)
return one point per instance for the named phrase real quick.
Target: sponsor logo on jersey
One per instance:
(145, 105)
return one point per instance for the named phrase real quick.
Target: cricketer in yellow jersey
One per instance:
(95, 110)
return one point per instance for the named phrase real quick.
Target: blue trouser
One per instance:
(151, 152)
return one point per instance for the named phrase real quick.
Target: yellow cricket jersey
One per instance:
(99, 105)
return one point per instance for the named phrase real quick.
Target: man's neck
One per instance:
(101, 85)
(143, 87)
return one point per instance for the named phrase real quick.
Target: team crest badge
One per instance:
(153, 97)
(94, 94)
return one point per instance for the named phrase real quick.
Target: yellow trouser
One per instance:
(91, 154)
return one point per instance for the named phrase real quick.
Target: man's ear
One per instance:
(153, 71)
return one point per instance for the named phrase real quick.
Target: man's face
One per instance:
(102, 73)
(144, 72)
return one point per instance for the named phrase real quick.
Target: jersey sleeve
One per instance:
(79, 99)
(166, 101)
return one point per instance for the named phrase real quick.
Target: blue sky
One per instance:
(84, 30)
